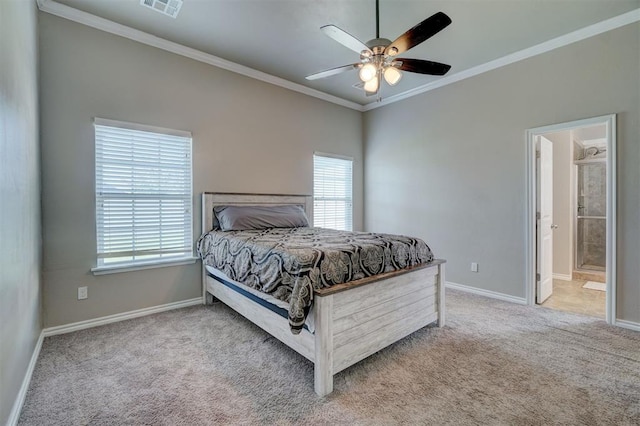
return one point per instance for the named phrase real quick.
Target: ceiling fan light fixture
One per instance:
(392, 75)
(372, 85)
(368, 72)
(378, 56)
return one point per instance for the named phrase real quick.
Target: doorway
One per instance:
(571, 234)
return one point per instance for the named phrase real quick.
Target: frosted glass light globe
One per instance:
(371, 86)
(392, 76)
(367, 72)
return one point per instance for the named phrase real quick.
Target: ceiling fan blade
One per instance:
(344, 38)
(333, 71)
(416, 35)
(421, 66)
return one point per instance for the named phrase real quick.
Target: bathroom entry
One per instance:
(570, 179)
(591, 210)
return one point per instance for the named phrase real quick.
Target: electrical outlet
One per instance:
(474, 267)
(83, 293)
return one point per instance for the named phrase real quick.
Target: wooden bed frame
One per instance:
(352, 320)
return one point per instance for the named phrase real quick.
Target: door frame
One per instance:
(530, 215)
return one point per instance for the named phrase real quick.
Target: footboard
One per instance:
(353, 324)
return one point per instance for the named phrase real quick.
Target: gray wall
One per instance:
(451, 168)
(20, 304)
(562, 170)
(248, 136)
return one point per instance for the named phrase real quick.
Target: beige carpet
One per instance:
(495, 363)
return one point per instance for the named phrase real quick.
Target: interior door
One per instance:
(544, 223)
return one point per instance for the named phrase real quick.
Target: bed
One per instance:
(348, 321)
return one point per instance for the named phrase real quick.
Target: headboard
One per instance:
(212, 199)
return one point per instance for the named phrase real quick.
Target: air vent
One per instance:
(166, 7)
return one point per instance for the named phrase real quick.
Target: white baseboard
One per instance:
(487, 293)
(14, 416)
(81, 325)
(562, 277)
(627, 324)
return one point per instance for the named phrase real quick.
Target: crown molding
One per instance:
(72, 14)
(75, 15)
(547, 46)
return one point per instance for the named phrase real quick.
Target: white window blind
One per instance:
(332, 192)
(143, 194)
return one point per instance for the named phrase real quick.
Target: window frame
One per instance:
(133, 265)
(348, 200)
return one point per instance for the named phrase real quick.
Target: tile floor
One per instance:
(597, 276)
(569, 296)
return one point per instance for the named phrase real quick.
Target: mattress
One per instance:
(274, 305)
(290, 263)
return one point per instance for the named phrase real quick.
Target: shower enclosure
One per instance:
(590, 235)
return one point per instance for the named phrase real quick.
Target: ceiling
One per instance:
(283, 38)
(592, 135)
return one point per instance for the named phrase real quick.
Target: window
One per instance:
(332, 192)
(143, 195)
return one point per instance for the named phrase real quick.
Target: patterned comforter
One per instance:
(289, 263)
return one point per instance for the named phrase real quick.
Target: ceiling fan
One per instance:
(378, 56)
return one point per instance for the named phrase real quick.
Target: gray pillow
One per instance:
(240, 218)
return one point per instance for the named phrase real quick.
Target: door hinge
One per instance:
(537, 277)
(537, 215)
(537, 154)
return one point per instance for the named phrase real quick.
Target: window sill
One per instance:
(130, 267)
